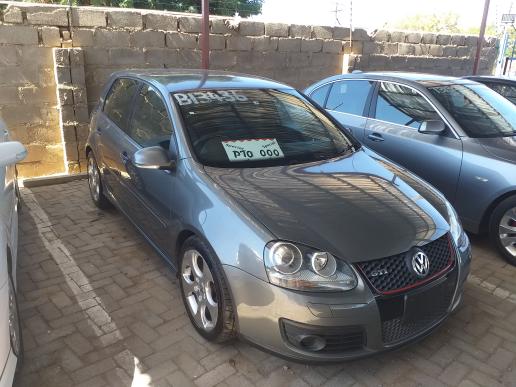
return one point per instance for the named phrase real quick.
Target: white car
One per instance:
(11, 348)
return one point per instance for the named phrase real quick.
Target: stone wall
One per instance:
(55, 60)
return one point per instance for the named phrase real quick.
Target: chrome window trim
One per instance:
(446, 121)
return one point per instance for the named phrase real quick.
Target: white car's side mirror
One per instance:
(11, 152)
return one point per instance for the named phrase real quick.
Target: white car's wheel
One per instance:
(15, 332)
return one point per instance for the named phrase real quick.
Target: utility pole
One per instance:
(481, 37)
(205, 35)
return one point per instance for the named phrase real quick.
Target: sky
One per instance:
(372, 14)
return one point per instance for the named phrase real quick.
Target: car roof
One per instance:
(414, 79)
(175, 80)
(492, 78)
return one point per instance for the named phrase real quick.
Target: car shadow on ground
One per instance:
(100, 308)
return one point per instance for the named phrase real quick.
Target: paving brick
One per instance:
(103, 320)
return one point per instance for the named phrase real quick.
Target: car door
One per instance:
(111, 124)
(347, 101)
(397, 112)
(150, 191)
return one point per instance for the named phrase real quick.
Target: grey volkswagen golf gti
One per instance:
(457, 134)
(282, 228)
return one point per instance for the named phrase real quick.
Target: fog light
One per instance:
(311, 342)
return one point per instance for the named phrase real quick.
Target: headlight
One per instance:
(459, 236)
(302, 268)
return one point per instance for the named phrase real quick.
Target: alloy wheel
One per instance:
(507, 231)
(93, 178)
(199, 290)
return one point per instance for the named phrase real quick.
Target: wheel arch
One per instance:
(486, 217)
(183, 236)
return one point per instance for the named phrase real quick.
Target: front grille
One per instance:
(398, 276)
(429, 306)
(332, 339)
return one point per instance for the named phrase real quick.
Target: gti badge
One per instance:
(420, 264)
(379, 272)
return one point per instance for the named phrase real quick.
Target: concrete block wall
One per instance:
(54, 62)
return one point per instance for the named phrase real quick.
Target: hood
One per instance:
(355, 207)
(501, 147)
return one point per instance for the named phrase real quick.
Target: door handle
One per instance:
(98, 130)
(375, 137)
(125, 157)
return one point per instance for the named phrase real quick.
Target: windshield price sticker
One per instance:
(253, 149)
(202, 97)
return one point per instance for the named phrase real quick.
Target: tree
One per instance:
(446, 22)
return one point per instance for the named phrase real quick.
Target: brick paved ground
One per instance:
(100, 308)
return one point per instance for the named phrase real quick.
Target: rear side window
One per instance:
(403, 106)
(319, 95)
(507, 91)
(150, 124)
(349, 96)
(118, 101)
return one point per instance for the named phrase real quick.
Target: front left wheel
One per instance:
(205, 293)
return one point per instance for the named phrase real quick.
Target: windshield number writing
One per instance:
(202, 97)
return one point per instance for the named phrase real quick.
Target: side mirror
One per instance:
(154, 157)
(11, 152)
(432, 127)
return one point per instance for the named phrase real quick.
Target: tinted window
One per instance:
(118, 101)
(507, 91)
(150, 124)
(251, 128)
(319, 95)
(480, 111)
(349, 96)
(403, 106)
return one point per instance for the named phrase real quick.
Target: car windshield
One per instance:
(257, 127)
(480, 111)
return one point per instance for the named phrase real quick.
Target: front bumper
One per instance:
(357, 323)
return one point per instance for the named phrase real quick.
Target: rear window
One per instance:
(257, 127)
(118, 101)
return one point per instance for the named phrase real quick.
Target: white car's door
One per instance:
(10, 153)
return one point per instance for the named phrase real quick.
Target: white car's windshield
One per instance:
(257, 127)
(480, 111)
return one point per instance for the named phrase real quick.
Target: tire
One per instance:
(502, 229)
(95, 184)
(14, 318)
(205, 292)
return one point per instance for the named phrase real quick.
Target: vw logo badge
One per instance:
(420, 264)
